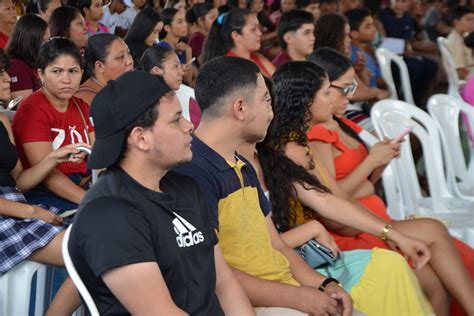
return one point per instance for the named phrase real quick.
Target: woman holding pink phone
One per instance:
(345, 159)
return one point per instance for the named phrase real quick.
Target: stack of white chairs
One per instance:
(391, 117)
(445, 110)
(454, 84)
(16, 286)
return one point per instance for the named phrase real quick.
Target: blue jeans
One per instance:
(41, 195)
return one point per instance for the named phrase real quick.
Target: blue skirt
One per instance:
(19, 238)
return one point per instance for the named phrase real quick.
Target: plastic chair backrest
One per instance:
(390, 117)
(384, 59)
(395, 206)
(445, 110)
(75, 276)
(449, 68)
(184, 93)
(16, 288)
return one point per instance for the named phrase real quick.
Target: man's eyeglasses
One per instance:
(347, 89)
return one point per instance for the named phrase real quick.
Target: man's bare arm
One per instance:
(141, 289)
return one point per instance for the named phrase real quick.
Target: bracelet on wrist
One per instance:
(385, 231)
(325, 283)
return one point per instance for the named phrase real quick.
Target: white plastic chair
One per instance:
(450, 69)
(184, 93)
(384, 59)
(398, 209)
(445, 110)
(87, 298)
(390, 117)
(395, 207)
(15, 289)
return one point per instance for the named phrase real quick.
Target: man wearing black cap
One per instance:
(142, 240)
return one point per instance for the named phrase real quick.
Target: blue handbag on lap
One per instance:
(316, 254)
(319, 256)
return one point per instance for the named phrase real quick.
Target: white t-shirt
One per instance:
(462, 55)
(111, 20)
(127, 17)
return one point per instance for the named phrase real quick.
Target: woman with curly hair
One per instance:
(362, 273)
(299, 104)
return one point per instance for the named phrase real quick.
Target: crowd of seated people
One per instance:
(282, 90)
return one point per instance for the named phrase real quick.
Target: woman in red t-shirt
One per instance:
(7, 20)
(52, 118)
(31, 231)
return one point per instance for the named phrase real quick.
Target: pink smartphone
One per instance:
(400, 136)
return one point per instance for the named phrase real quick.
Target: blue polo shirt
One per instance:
(220, 179)
(238, 210)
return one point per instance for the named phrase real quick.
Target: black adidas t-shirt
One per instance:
(121, 222)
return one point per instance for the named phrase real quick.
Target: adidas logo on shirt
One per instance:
(187, 234)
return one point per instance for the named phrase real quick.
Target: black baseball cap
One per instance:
(117, 105)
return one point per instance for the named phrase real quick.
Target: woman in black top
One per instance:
(32, 232)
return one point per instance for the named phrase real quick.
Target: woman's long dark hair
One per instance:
(154, 56)
(336, 65)
(97, 49)
(219, 39)
(142, 26)
(61, 19)
(4, 61)
(296, 84)
(167, 15)
(26, 39)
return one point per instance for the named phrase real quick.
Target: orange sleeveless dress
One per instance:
(344, 164)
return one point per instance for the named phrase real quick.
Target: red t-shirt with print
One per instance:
(38, 121)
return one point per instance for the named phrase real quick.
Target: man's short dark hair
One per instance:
(356, 17)
(291, 21)
(302, 4)
(221, 78)
(459, 11)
